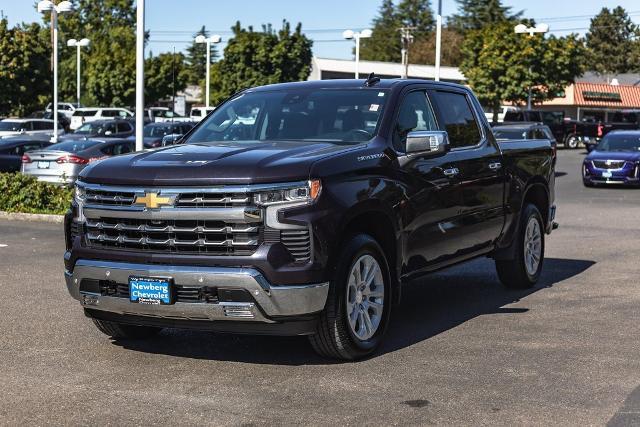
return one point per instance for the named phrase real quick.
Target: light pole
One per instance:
(523, 29)
(78, 44)
(438, 39)
(139, 75)
(45, 6)
(208, 40)
(353, 35)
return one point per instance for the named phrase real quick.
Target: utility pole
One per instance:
(140, 75)
(406, 38)
(438, 40)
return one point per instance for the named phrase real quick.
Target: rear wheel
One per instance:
(524, 270)
(121, 330)
(358, 306)
(572, 142)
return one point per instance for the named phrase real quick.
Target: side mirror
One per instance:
(427, 142)
(172, 139)
(107, 133)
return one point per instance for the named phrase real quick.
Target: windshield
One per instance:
(10, 126)
(72, 146)
(156, 131)
(91, 129)
(340, 116)
(620, 143)
(502, 134)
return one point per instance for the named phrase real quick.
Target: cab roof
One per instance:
(350, 84)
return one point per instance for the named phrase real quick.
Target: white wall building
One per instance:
(324, 69)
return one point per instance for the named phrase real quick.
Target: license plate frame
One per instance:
(150, 290)
(607, 174)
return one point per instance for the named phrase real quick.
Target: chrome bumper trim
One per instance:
(242, 214)
(271, 301)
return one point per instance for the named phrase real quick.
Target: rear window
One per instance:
(72, 146)
(502, 134)
(85, 113)
(11, 126)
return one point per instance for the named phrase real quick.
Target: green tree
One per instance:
(108, 64)
(197, 58)
(423, 50)
(254, 58)
(610, 42)
(159, 73)
(417, 14)
(501, 66)
(476, 14)
(24, 68)
(384, 44)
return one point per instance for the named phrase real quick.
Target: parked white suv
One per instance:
(10, 127)
(83, 115)
(199, 113)
(65, 108)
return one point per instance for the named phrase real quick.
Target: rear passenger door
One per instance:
(476, 163)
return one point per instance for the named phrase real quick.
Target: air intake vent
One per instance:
(298, 242)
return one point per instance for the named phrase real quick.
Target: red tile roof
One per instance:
(604, 95)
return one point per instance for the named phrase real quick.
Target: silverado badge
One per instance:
(153, 200)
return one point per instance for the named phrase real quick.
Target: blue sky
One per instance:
(322, 20)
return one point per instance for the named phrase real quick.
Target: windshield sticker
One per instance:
(374, 107)
(380, 93)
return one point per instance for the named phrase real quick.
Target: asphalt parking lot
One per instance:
(461, 349)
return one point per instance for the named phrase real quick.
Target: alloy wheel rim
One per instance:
(532, 246)
(365, 297)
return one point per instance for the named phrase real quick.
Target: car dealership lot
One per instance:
(461, 349)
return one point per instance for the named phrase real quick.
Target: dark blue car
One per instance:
(616, 160)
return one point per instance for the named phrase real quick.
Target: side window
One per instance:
(42, 126)
(109, 113)
(458, 119)
(415, 114)
(27, 126)
(123, 148)
(108, 150)
(123, 127)
(196, 113)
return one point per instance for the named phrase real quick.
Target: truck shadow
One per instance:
(430, 306)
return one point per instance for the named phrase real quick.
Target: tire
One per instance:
(571, 142)
(519, 273)
(588, 184)
(336, 337)
(120, 330)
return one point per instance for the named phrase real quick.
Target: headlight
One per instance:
(79, 194)
(299, 194)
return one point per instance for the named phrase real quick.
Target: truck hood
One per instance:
(629, 156)
(219, 163)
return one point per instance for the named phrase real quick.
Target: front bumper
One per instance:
(268, 304)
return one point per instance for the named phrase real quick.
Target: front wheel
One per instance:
(524, 270)
(572, 142)
(358, 306)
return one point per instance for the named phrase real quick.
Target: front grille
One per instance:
(203, 200)
(298, 242)
(608, 164)
(183, 236)
(188, 294)
(109, 198)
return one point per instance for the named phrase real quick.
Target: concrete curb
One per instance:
(59, 219)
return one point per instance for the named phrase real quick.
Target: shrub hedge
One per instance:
(23, 193)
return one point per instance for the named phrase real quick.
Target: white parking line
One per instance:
(2, 245)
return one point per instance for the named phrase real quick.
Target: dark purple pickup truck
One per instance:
(301, 208)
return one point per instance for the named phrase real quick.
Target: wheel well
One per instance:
(538, 196)
(381, 228)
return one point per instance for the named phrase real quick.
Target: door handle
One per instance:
(451, 172)
(495, 166)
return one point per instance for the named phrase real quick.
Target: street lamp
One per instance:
(208, 40)
(538, 29)
(438, 40)
(78, 44)
(45, 6)
(352, 35)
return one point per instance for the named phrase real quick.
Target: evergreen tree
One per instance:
(197, 59)
(384, 44)
(610, 42)
(253, 58)
(476, 14)
(159, 72)
(418, 14)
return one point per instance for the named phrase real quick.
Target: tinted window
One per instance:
(415, 114)
(196, 113)
(42, 126)
(123, 127)
(11, 126)
(509, 133)
(73, 146)
(513, 116)
(458, 118)
(340, 116)
(109, 113)
(85, 113)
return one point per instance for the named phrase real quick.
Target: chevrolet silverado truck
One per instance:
(301, 208)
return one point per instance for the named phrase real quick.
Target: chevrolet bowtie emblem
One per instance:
(153, 200)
